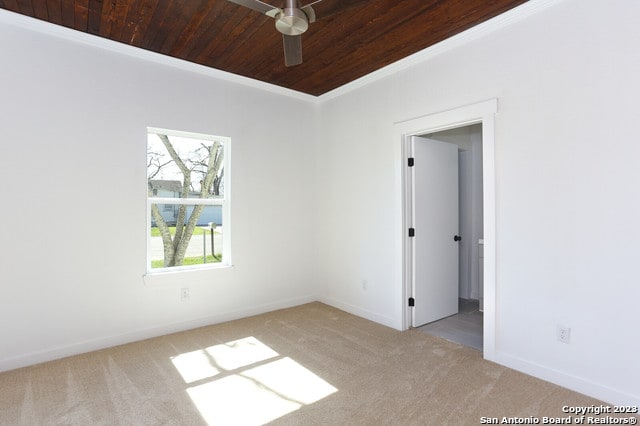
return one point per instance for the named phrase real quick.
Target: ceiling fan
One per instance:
(291, 21)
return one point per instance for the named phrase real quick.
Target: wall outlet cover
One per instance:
(563, 334)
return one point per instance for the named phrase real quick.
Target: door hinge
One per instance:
(411, 161)
(412, 232)
(412, 301)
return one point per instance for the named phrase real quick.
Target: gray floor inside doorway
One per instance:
(464, 328)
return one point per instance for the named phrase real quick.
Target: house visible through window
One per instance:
(187, 202)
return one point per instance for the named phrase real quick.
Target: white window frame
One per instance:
(224, 202)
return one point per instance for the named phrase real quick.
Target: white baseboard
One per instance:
(575, 383)
(363, 313)
(134, 336)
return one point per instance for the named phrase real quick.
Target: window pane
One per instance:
(184, 167)
(203, 245)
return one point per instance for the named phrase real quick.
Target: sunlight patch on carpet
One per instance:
(209, 362)
(247, 382)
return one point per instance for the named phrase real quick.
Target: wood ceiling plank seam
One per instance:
(392, 18)
(81, 15)
(239, 49)
(399, 37)
(161, 25)
(106, 18)
(212, 30)
(25, 7)
(442, 28)
(228, 31)
(54, 11)
(458, 17)
(95, 18)
(192, 28)
(112, 18)
(40, 10)
(109, 18)
(366, 29)
(156, 15)
(338, 7)
(138, 21)
(261, 54)
(130, 21)
(68, 13)
(221, 34)
(118, 19)
(328, 39)
(181, 16)
(195, 28)
(12, 5)
(246, 49)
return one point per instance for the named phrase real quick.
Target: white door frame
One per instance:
(484, 113)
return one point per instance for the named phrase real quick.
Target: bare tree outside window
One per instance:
(185, 168)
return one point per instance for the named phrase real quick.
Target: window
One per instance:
(187, 201)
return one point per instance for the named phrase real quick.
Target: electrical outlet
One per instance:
(365, 284)
(184, 294)
(564, 334)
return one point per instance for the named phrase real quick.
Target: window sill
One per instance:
(155, 277)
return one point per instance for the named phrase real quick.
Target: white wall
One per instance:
(73, 120)
(566, 197)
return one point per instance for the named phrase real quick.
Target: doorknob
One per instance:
(457, 238)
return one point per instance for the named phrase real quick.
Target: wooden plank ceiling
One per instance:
(350, 39)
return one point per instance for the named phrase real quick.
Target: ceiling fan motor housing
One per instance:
(292, 21)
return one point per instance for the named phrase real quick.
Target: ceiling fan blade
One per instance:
(256, 5)
(311, 14)
(292, 49)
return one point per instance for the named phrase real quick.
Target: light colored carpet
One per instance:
(308, 365)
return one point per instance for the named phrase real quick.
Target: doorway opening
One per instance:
(464, 326)
(480, 248)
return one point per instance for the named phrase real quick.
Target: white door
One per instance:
(435, 220)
